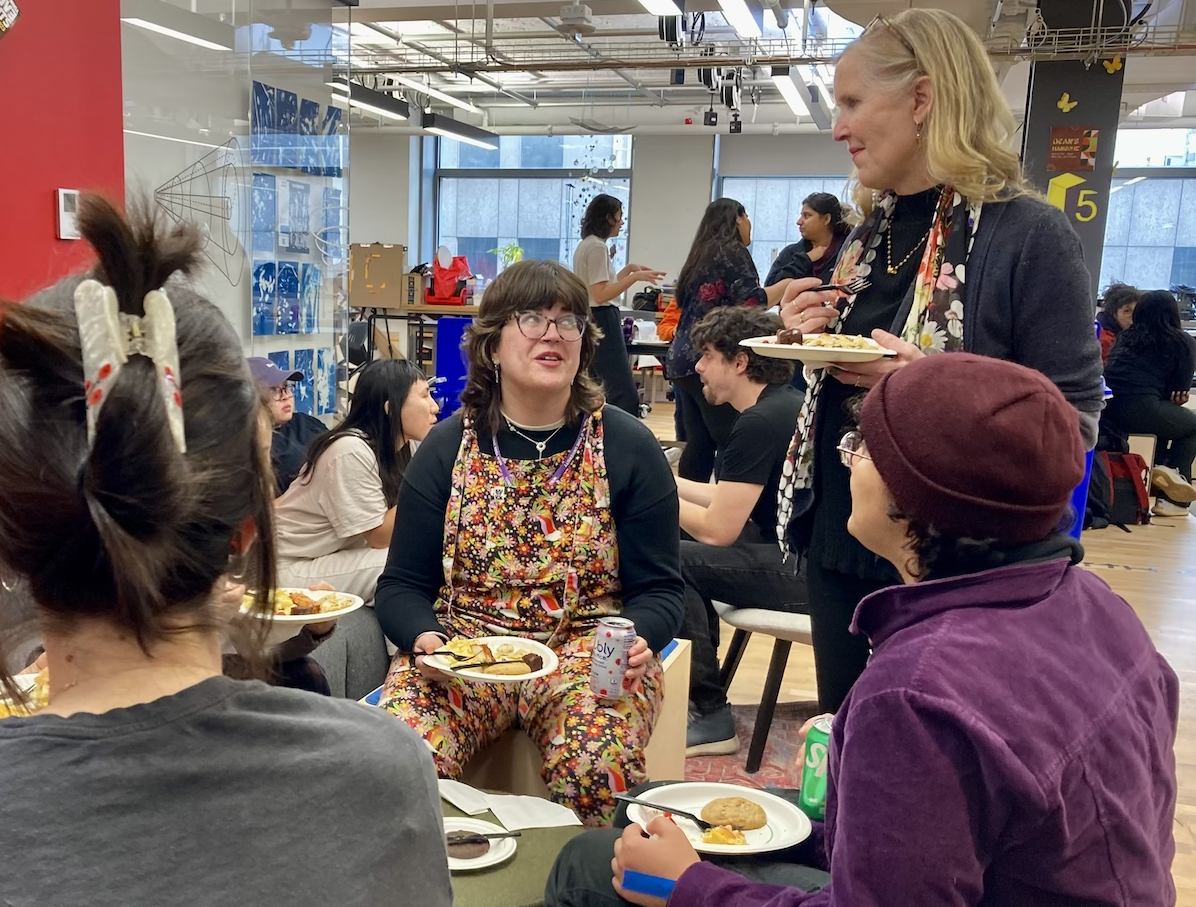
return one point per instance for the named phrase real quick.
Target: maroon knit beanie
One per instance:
(975, 447)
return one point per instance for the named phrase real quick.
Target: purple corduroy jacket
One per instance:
(1010, 744)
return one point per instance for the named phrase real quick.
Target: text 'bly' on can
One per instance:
(608, 660)
(813, 774)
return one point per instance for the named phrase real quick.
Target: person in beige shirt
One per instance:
(334, 522)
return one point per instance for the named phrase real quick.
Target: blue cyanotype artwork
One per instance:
(263, 149)
(265, 212)
(333, 238)
(287, 127)
(330, 146)
(282, 360)
(309, 299)
(325, 385)
(288, 297)
(309, 140)
(305, 390)
(265, 295)
(299, 217)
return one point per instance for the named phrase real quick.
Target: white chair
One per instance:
(786, 629)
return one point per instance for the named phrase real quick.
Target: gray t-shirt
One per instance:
(230, 792)
(592, 263)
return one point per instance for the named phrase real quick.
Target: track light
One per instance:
(376, 102)
(436, 93)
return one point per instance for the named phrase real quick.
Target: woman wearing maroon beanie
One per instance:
(1011, 740)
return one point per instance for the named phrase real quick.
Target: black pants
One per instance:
(707, 429)
(581, 876)
(1174, 426)
(611, 365)
(748, 574)
(839, 656)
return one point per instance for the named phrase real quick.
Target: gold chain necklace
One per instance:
(894, 268)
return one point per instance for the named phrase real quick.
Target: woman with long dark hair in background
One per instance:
(335, 521)
(719, 271)
(1150, 373)
(133, 480)
(603, 221)
(823, 227)
(1116, 314)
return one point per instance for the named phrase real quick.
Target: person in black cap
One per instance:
(293, 432)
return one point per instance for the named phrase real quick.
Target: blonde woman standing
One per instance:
(961, 255)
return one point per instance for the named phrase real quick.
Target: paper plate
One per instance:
(522, 647)
(787, 825)
(285, 626)
(814, 355)
(500, 850)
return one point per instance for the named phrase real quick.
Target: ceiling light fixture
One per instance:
(439, 124)
(742, 18)
(791, 90)
(436, 93)
(823, 88)
(177, 23)
(376, 102)
(661, 7)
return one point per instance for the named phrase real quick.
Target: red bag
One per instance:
(447, 282)
(1129, 499)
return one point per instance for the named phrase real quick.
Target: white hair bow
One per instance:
(109, 337)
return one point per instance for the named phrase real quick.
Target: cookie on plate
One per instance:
(736, 812)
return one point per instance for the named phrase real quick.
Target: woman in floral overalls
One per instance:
(535, 512)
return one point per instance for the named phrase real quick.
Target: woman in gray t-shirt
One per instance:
(131, 481)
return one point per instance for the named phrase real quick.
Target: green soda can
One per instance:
(813, 773)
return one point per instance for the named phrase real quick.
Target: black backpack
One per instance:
(1117, 493)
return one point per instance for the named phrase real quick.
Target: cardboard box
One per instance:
(414, 289)
(376, 275)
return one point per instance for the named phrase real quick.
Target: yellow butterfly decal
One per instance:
(1066, 104)
(1112, 66)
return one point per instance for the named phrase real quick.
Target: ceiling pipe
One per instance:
(452, 65)
(602, 58)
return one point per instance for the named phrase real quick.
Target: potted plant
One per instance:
(508, 255)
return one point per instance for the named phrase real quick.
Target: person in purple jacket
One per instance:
(1010, 743)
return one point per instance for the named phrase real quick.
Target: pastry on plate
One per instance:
(735, 812)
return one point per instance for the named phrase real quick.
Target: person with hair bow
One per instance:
(959, 255)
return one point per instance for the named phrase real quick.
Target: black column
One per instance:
(1071, 127)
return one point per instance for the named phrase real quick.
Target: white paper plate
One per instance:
(522, 647)
(813, 355)
(787, 825)
(500, 850)
(285, 626)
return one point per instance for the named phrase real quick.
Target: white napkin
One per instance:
(517, 813)
(469, 800)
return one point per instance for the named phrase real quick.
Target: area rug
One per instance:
(779, 767)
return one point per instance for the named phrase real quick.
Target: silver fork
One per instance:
(851, 288)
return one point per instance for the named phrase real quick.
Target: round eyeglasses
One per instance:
(534, 325)
(851, 446)
(282, 391)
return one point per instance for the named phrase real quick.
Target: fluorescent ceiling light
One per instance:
(170, 138)
(661, 7)
(791, 90)
(436, 93)
(376, 102)
(180, 24)
(439, 124)
(740, 18)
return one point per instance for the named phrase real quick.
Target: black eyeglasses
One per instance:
(534, 325)
(851, 446)
(282, 391)
(896, 30)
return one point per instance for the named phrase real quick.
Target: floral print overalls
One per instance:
(530, 550)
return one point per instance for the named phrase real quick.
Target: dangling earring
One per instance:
(918, 126)
(497, 374)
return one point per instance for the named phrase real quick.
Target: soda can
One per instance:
(608, 659)
(813, 774)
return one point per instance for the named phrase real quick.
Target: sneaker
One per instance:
(1168, 480)
(1163, 507)
(711, 735)
(673, 455)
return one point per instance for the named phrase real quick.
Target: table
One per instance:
(657, 348)
(520, 881)
(414, 316)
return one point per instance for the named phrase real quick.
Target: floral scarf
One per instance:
(934, 325)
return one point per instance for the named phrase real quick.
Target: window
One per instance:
(531, 191)
(773, 204)
(1150, 236)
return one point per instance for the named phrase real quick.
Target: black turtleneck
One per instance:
(831, 546)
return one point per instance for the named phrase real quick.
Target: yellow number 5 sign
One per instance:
(1060, 187)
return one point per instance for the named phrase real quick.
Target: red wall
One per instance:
(60, 127)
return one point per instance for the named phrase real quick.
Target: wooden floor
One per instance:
(1153, 568)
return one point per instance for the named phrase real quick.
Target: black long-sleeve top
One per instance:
(1141, 365)
(643, 504)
